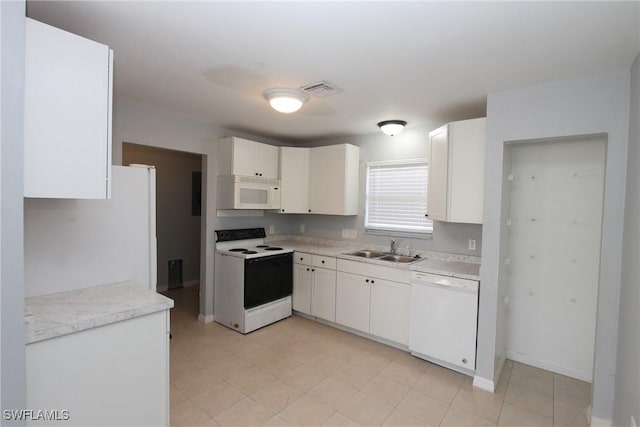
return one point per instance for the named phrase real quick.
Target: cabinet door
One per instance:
(67, 120)
(294, 174)
(323, 298)
(438, 170)
(352, 301)
(466, 176)
(327, 180)
(390, 305)
(302, 288)
(266, 160)
(244, 154)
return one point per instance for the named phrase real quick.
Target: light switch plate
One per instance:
(472, 244)
(272, 229)
(301, 228)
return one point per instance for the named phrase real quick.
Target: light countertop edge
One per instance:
(55, 315)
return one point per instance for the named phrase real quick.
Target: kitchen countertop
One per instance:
(50, 316)
(461, 266)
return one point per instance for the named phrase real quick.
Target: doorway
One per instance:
(555, 190)
(178, 212)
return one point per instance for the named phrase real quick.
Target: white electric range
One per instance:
(253, 281)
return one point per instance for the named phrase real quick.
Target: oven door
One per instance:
(267, 279)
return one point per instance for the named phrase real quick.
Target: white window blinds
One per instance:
(396, 199)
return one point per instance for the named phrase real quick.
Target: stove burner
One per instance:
(237, 250)
(249, 252)
(262, 246)
(272, 248)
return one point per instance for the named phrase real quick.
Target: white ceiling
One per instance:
(423, 62)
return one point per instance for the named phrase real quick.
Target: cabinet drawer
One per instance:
(302, 258)
(324, 261)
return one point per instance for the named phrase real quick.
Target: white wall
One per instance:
(12, 363)
(627, 391)
(177, 230)
(585, 106)
(411, 143)
(556, 218)
(73, 244)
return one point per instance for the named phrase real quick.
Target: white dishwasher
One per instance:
(444, 319)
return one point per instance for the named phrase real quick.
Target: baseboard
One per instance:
(532, 361)
(599, 422)
(484, 384)
(205, 319)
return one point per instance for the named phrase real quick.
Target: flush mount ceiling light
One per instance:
(392, 127)
(285, 100)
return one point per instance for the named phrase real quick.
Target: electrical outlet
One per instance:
(352, 233)
(272, 229)
(472, 244)
(301, 228)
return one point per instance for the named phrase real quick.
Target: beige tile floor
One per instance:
(300, 373)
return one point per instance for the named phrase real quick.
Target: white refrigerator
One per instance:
(74, 244)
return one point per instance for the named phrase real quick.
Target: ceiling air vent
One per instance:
(320, 89)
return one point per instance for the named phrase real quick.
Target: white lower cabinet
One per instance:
(353, 301)
(390, 306)
(314, 285)
(117, 374)
(301, 300)
(367, 301)
(323, 296)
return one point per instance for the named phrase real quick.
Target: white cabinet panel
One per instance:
(456, 172)
(390, 305)
(302, 288)
(323, 300)
(438, 174)
(68, 103)
(116, 374)
(352, 301)
(334, 180)
(238, 156)
(294, 177)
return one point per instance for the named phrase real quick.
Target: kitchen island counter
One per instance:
(55, 315)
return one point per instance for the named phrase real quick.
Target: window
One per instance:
(396, 198)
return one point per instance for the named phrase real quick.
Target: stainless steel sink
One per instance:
(398, 258)
(366, 254)
(382, 256)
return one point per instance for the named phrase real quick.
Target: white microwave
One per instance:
(247, 192)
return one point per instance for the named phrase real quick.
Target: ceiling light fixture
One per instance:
(285, 100)
(392, 127)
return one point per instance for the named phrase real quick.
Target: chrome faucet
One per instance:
(393, 246)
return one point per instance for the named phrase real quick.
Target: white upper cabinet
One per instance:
(68, 110)
(320, 180)
(294, 179)
(456, 172)
(237, 156)
(334, 180)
